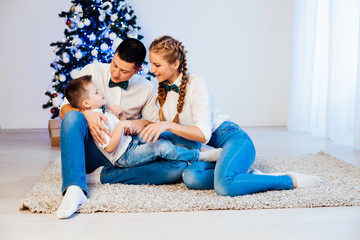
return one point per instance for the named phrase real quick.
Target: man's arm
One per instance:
(150, 110)
(95, 122)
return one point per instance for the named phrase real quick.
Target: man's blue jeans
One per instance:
(140, 152)
(228, 176)
(80, 155)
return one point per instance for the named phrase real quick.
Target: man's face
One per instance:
(121, 70)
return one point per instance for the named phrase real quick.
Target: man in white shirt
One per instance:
(127, 92)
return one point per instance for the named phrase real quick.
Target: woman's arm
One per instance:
(153, 131)
(200, 113)
(117, 135)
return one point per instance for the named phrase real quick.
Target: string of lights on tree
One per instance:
(95, 28)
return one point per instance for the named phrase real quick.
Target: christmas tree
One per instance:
(95, 28)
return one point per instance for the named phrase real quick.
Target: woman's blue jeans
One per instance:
(140, 152)
(80, 155)
(228, 176)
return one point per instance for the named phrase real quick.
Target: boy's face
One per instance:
(121, 70)
(96, 98)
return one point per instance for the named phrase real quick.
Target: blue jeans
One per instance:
(80, 155)
(228, 176)
(140, 152)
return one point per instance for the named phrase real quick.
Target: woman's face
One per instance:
(162, 69)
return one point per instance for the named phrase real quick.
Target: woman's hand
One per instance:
(153, 131)
(95, 122)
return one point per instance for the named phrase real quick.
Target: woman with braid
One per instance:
(187, 110)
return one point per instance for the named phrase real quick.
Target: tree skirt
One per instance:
(342, 188)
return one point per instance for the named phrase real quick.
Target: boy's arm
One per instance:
(117, 135)
(116, 109)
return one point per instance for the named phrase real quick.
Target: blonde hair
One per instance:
(171, 50)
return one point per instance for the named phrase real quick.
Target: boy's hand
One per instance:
(128, 127)
(116, 109)
(139, 125)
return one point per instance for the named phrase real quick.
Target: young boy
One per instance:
(122, 150)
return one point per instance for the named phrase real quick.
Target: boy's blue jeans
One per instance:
(228, 176)
(80, 155)
(140, 152)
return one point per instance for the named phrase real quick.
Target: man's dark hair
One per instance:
(132, 50)
(76, 91)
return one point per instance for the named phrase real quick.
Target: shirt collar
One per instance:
(98, 110)
(178, 80)
(131, 79)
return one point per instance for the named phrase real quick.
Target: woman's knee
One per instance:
(199, 175)
(190, 179)
(222, 188)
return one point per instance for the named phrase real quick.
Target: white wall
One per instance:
(241, 47)
(27, 28)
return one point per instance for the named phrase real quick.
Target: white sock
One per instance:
(210, 155)
(258, 172)
(73, 197)
(306, 181)
(94, 177)
(205, 148)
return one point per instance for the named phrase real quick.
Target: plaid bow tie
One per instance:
(169, 88)
(123, 85)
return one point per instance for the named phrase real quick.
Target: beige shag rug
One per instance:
(342, 188)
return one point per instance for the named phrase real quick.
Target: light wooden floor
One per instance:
(25, 154)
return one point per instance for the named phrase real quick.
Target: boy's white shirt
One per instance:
(137, 101)
(123, 144)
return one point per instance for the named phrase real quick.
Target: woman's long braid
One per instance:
(184, 81)
(162, 93)
(172, 50)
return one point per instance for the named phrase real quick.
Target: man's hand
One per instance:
(95, 122)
